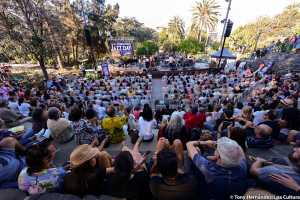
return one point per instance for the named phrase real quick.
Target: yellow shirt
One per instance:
(114, 127)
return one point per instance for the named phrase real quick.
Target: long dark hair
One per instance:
(123, 166)
(147, 113)
(238, 134)
(84, 173)
(37, 115)
(35, 156)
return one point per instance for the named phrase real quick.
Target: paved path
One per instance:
(157, 92)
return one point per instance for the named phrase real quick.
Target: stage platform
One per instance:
(160, 72)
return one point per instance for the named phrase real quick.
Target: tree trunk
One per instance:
(200, 33)
(43, 67)
(256, 41)
(207, 39)
(58, 58)
(76, 53)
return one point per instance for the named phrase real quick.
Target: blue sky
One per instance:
(156, 13)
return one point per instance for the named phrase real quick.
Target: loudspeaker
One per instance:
(228, 28)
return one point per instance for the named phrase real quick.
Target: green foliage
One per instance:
(176, 30)
(265, 30)
(170, 37)
(215, 46)
(191, 46)
(147, 48)
(130, 27)
(205, 18)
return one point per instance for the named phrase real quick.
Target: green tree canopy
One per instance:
(147, 48)
(131, 27)
(171, 36)
(264, 30)
(205, 17)
(191, 46)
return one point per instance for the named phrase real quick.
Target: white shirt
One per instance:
(24, 109)
(145, 128)
(101, 112)
(259, 116)
(237, 112)
(13, 106)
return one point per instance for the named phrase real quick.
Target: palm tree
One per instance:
(205, 17)
(176, 29)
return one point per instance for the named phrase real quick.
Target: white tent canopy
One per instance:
(226, 54)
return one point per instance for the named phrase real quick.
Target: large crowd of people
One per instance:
(205, 127)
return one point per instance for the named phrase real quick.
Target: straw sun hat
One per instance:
(81, 154)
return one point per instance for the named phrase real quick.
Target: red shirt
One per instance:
(194, 120)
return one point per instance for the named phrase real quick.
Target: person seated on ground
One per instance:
(175, 129)
(89, 168)
(294, 137)
(290, 120)
(269, 120)
(279, 179)
(113, 125)
(225, 121)
(130, 179)
(137, 111)
(238, 134)
(259, 136)
(12, 102)
(226, 172)
(132, 122)
(212, 116)
(194, 119)
(11, 161)
(78, 124)
(246, 116)
(166, 182)
(39, 120)
(39, 176)
(94, 130)
(24, 107)
(10, 117)
(39, 127)
(61, 129)
(146, 124)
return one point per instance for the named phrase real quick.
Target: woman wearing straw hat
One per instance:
(89, 167)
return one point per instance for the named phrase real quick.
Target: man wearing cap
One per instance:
(225, 172)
